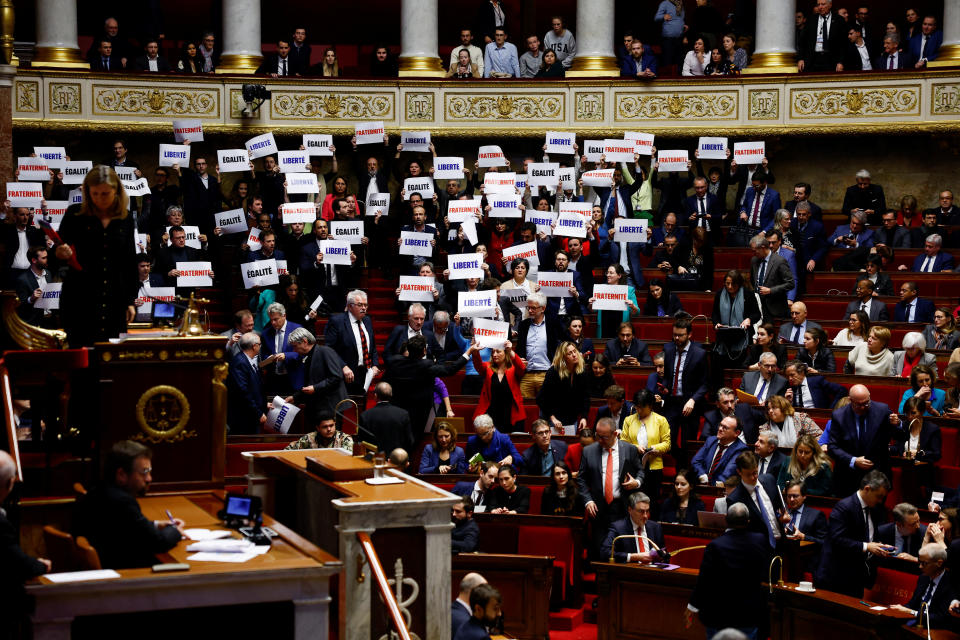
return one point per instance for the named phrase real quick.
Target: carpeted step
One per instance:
(566, 619)
(589, 613)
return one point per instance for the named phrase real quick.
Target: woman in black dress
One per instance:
(815, 352)
(561, 497)
(601, 376)
(682, 506)
(510, 497)
(96, 301)
(564, 398)
(660, 300)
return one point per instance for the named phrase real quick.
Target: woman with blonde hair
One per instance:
(564, 399)
(101, 282)
(871, 358)
(809, 463)
(787, 422)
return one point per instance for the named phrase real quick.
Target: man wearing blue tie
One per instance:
(762, 497)
(934, 592)
(792, 332)
(760, 202)
(859, 435)
(932, 260)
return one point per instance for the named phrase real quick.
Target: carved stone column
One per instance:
(7, 74)
(57, 36)
(418, 40)
(949, 53)
(595, 36)
(776, 50)
(241, 37)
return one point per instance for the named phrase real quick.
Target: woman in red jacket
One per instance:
(500, 397)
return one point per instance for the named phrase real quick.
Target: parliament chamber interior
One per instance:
(480, 319)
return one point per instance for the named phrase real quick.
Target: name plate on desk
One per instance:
(337, 465)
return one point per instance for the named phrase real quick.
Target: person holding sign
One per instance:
(518, 282)
(673, 186)
(323, 377)
(30, 284)
(329, 280)
(97, 298)
(178, 251)
(17, 238)
(608, 321)
(564, 399)
(500, 397)
(414, 262)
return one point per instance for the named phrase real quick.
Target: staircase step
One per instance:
(566, 619)
(589, 613)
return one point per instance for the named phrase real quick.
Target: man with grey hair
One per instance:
(865, 197)
(281, 364)
(492, 444)
(892, 59)
(771, 277)
(649, 535)
(246, 402)
(905, 533)
(932, 260)
(323, 375)
(766, 382)
(770, 458)
(537, 341)
(935, 593)
(445, 347)
(350, 334)
(823, 42)
(416, 314)
(729, 406)
(461, 611)
(855, 235)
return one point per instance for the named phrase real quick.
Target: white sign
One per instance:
(25, 194)
(491, 156)
(164, 294)
(517, 296)
(555, 284)
(593, 149)
(470, 231)
(712, 148)
(572, 225)
(422, 185)
(416, 288)
(477, 304)
(465, 265)
(527, 250)
(281, 415)
(76, 196)
(642, 142)
(171, 154)
(31, 169)
(253, 239)
(378, 203)
(55, 211)
(630, 230)
(302, 183)
(233, 160)
(140, 240)
(584, 209)
(447, 168)
(318, 144)
(75, 171)
(56, 157)
(260, 273)
(335, 252)
(618, 150)
(137, 188)
(415, 140)
(369, 132)
(460, 210)
(233, 221)
(350, 231)
(504, 205)
(260, 146)
(499, 182)
(194, 274)
(282, 269)
(293, 161)
(293, 212)
(610, 297)
(520, 182)
(492, 334)
(568, 178)
(749, 152)
(543, 219)
(598, 178)
(546, 174)
(188, 129)
(193, 236)
(672, 161)
(50, 298)
(560, 142)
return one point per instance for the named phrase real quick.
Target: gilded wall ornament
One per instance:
(764, 104)
(945, 99)
(860, 101)
(504, 107)
(163, 413)
(680, 105)
(287, 105)
(28, 96)
(64, 97)
(419, 107)
(156, 101)
(589, 107)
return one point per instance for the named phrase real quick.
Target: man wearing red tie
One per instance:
(637, 523)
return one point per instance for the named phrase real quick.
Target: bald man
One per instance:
(859, 436)
(460, 611)
(792, 332)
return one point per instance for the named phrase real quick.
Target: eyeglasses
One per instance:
(362, 305)
(145, 472)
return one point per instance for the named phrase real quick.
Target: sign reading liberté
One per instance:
(465, 265)
(415, 243)
(630, 230)
(473, 304)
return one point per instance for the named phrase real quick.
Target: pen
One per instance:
(170, 515)
(866, 604)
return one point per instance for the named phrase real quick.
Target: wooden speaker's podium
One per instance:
(168, 393)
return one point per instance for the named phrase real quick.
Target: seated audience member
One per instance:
(386, 425)
(500, 397)
(792, 332)
(924, 46)
(641, 63)
(500, 59)
(931, 399)
(655, 381)
(627, 351)
(561, 497)
(246, 402)
(400, 459)
(326, 435)
(480, 491)
(914, 353)
(718, 65)
(893, 234)
(866, 301)
(729, 405)
(104, 58)
(715, 461)
(945, 529)
(933, 259)
(786, 423)
(110, 517)
(806, 392)
(682, 505)
(460, 609)
(696, 59)
(601, 376)
(643, 536)
(771, 461)
(564, 399)
(575, 335)
(491, 444)
(911, 307)
(152, 61)
(485, 602)
(766, 382)
(616, 405)
(815, 352)
(532, 58)
(509, 496)
(465, 535)
(329, 65)
(858, 328)
(952, 377)
(475, 52)
(871, 358)
(551, 67)
(905, 532)
(947, 212)
(808, 463)
(930, 226)
(540, 457)
(942, 334)
(892, 58)
(650, 433)
(383, 64)
(934, 594)
(909, 214)
(660, 301)
(766, 342)
(806, 523)
(735, 57)
(190, 62)
(443, 455)
(575, 450)
(762, 497)
(462, 67)
(720, 504)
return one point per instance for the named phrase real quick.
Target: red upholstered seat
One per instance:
(687, 559)
(892, 587)
(549, 541)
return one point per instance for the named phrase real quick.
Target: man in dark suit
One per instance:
(762, 497)
(152, 61)
(734, 562)
(770, 459)
(666, 230)
(625, 350)
(859, 435)
(930, 226)
(104, 58)
(246, 403)
(685, 375)
(801, 193)
(539, 458)
(806, 523)
(947, 212)
(824, 40)
(177, 251)
(811, 241)
(278, 64)
(845, 563)
(558, 307)
(924, 46)
(485, 603)
(703, 209)
(201, 194)
(460, 609)
(765, 383)
(387, 425)
(110, 517)
(637, 523)
(771, 277)
(604, 481)
(17, 238)
(416, 314)
(905, 532)
(716, 459)
(859, 55)
(792, 332)
(299, 52)
(935, 591)
(893, 57)
(581, 264)
(760, 203)
(481, 490)
(891, 234)
(933, 259)
(278, 358)
(268, 248)
(350, 334)
(729, 405)
(866, 302)
(617, 406)
(330, 281)
(444, 346)
(368, 168)
(29, 285)
(323, 375)
(911, 307)
(855, 238)
(866, 197)
(814, 392)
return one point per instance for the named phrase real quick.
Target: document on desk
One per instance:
(230, 550)
(199, 535)
(81, 576)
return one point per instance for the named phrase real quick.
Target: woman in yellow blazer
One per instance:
(650, 433)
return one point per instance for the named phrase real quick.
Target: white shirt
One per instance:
(807, 399)
(864, 56)
(411, 332)
(865, 306)
(441, 338)
(477, 496)
(927, 266)
(152, 64)
(761, 396)
(823, 31)
(357, 328)
(680, 358)
(371, 188)
(760, 496)
(20, 260)
(616, 469)
(866, 514)
(476, 56)
(205, 179)
(283, 66)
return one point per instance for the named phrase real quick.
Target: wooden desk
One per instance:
(293, 570)
(826, 615)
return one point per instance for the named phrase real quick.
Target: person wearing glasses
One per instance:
(859, 437)
(351, 335)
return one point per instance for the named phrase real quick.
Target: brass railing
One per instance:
(393, 609)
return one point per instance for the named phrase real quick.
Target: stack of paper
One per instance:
(229, 550)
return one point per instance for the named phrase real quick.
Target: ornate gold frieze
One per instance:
(64, 97)
(134, 355)
(27, 99)
(589, 106)
(419, 107)
(764, 104)
(857, 101)
(287, 105)
(181, 354)
(544, 108)
(163, 413)
(686, 105)
(156, 101)
(945, 99)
